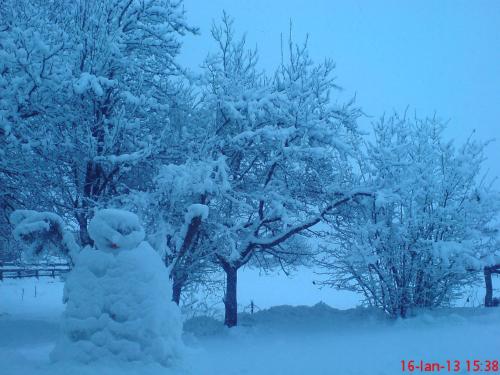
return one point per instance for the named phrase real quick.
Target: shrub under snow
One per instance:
(42, 232)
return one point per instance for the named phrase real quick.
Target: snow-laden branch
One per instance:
(43, 233)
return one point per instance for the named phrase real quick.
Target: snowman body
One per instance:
(118, 305)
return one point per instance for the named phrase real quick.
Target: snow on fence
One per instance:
(11, 270)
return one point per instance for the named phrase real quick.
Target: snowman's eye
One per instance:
(125, 231)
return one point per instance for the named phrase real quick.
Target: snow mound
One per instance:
(113, 229)
(204, 326)
(285, 318)
(317, 317)
(118, 303)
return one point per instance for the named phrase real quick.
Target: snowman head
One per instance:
(113, 230)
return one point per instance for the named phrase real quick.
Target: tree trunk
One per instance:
(230, 300)
(488, 298)
(90, 193)
(84, 234)
(176, 290)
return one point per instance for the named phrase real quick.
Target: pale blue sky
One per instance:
(435, 56)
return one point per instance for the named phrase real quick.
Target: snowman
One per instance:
(117, 298)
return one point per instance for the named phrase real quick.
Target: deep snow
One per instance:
(281, 340)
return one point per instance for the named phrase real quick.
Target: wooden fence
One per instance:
(12, 270)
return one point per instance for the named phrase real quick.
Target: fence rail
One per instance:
(21, 270)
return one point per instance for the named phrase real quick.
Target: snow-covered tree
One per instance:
(427, 232)
(109, 104)
(29, 74)
(179, 219)
(286, 147)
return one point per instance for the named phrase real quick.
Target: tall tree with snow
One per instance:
(286, 148)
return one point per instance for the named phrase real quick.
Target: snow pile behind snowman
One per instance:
(117, 298)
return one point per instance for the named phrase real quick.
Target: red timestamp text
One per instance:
(473, 366)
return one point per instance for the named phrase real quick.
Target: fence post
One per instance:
(488, 298)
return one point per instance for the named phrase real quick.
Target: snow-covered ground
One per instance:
(280, 340)
(321, 340)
